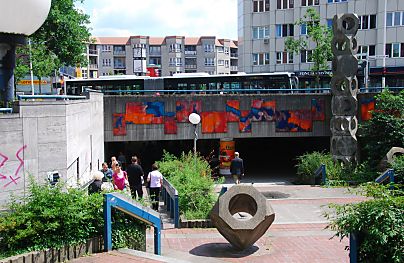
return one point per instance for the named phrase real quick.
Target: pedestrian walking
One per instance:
(155, 178)
(237, 168)
(107, 172)
(135, 176)
(119, 178)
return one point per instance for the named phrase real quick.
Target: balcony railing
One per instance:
(155, 53)
(93, 52)
(190, 66)
(119, 53)
(233, 68)
(233, 55)
(119, 67)
(93, 66)
(189, 52)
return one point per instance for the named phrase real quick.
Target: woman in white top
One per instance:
(155, 178)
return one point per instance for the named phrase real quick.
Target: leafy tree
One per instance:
(321, 35)
(385, 129)
(61, 40)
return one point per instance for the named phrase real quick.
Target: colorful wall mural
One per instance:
(146, 113)
(367, 106)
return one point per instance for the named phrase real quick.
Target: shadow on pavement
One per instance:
(222, 250)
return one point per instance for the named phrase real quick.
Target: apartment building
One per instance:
(263, 26)
(138, 55)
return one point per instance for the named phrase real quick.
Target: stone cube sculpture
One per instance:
(242, 215)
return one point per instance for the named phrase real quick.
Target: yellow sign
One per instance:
(28, 82)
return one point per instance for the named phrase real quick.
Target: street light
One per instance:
(18, 19)
(195, 119)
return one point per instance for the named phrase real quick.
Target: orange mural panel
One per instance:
(214, 122)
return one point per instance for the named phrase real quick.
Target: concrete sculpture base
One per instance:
(242, 215)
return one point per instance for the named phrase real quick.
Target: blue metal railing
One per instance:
(47, 97)
(170, 198)
(6, 110)
(388, 174)
(321, 171)
(131, 207)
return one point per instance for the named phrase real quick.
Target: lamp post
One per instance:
(18, 19)
(195, 119)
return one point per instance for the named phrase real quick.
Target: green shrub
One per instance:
(190, 175)
(398, 166)
(51, 217)
(379, 222)
(308, 163)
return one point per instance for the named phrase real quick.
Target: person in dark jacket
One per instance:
(95, 186)
(237, 168)
(135, 176)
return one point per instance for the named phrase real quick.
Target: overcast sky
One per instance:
(163, 17)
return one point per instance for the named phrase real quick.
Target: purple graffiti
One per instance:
(19, 158)
(5, 158)
(13, 180)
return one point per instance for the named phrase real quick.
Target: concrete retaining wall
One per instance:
(64, 136)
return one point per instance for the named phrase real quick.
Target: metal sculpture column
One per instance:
(344, 88)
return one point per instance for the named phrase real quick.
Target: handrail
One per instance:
(321, 170)
(170, 198)
(388, 174)
(218, 90)
(131, 207)
(6, 110)
(57, 97)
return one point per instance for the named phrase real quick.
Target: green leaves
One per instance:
(190, 175)
(379, 221)
(317, 34)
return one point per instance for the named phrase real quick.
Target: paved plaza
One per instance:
(298, 234)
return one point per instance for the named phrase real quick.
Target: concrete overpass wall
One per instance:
(49, 136)
(213, 103)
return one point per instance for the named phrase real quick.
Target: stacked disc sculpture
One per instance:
(344, 88)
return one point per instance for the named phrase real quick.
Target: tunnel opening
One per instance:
(265, 159)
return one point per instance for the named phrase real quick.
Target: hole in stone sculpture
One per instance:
(353, 125)
(243, 207)
(341, 45)
(348, 23)
(341, 84)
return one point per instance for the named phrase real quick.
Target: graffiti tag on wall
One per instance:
(11, 179)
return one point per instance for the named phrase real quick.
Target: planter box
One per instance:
(196, 223)
(93, 245)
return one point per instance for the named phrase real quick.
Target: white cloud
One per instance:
(163, 17)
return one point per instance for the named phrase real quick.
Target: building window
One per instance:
(220, 62)
(175, 62)
(260, 59)
(303, 29)
(306, 56)
(155, 50)
(395, 50)
(106, 62)
(395, 19)
(285, 30)
(155, 61)
(337, 1)
(105, 48)
(310, 2)
(209, 61)
(367, 22)
(284, 58)
(226, 50)
(365, 51)
(285, 4)
(226, 63)
(260, 6)
(176, 47)
(260, 32)
(209, 48)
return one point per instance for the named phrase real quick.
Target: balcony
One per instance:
(190, 52)
(93, 52)
(233, 68)
(155, 53)
(190, 66)
(93, 66)
(233, 55)
(119, 53)
(119, 66)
